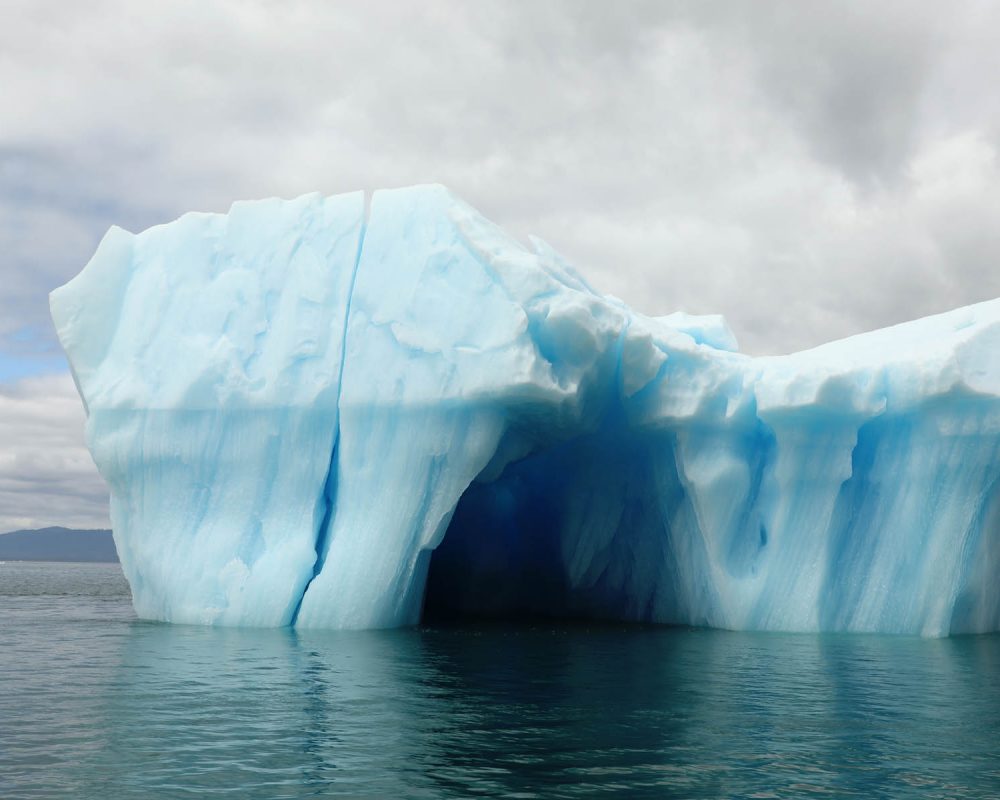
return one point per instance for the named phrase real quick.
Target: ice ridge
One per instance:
(315, 414)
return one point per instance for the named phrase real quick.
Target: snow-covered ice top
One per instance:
(313, 414)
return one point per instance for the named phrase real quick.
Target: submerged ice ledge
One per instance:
(315, 415)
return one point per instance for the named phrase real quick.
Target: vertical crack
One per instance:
(330, 484)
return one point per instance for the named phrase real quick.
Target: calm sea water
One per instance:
(95, 704)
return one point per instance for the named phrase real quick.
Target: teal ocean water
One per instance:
(96, 704)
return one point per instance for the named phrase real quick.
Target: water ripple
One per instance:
(96, 704)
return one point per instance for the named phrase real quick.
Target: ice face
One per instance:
(312, 416)
(208, 355)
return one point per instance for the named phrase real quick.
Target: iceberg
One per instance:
(333, 413)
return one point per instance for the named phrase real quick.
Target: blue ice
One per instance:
(319, 414)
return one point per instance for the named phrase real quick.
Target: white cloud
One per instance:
(809, 169)
(688, 155)
(46, 474)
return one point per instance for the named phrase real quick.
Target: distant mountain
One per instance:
(58, 544)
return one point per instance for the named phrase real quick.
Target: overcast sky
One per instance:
(809, 169)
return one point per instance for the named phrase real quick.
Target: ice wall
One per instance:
(208, 356)
(310, 418)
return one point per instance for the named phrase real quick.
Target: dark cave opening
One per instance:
(573, 532)
(500, 558)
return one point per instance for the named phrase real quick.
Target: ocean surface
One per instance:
(96, 704)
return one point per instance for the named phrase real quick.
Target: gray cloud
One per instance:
(849, 78)
(809, 169)
(46, 474)
(719, 150)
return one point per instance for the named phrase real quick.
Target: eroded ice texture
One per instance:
(208, 355)
(309, 418)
